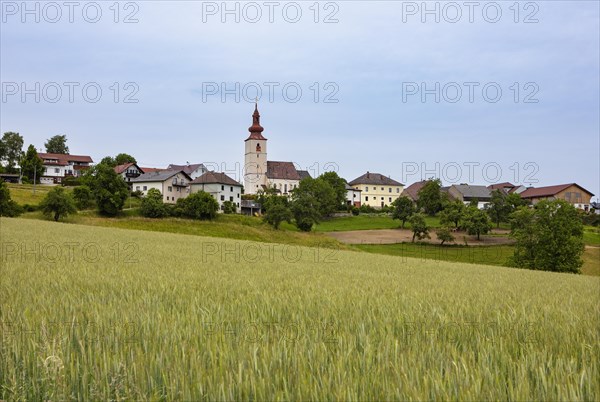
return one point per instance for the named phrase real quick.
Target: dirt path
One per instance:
(392, 236)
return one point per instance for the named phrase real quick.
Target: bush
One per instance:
(229, 207)
(444, 235)
(58, 203)
(30, 208)
(200, 205)
(278, 210)
(590, 218)
(419, 227)
(71, 181)
(367, 209)
(355, 211)
(152, 205)
(137, 194)
(84, 199)
(7, 206)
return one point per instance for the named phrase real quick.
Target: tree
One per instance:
(108, 161)
(58, 203)
(84, 199)
(419, 227)
(312, 200)
(305, 211)
(277, 211)
(152, 205)
(452, 213)
(109, 189)
(200, 205)
(57, 145)
(123, 158)
(549, 237)
(11, 150)
(498, 208)
(477, 222)
(338, 185)
(444, 235)
(32, 166)
(403, 209)
(430, 197)
(7, 206)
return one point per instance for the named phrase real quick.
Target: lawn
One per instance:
(23, 193)
(97, 313)
(367, 222)
(591, 236)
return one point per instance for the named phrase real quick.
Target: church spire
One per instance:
(256, 129)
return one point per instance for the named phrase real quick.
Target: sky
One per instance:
(478, 92)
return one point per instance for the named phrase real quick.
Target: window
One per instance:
(231, 189)
(170, 189)
(231, 198)
(222, 198)
(382, 189)
(367, 198)
(390, 199)
(238, 204)
(56, 170)
(390, 190)
(381, 198)
(222, 188)
(366, 189)
(145, 188)
(258, 148)
(137, 188)
(285, 188)
(167, 198)
(397, 190)
(238, 195)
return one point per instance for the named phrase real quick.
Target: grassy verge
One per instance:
(591, 236)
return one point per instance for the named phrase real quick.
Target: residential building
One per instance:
(376, 189)
(220, 186)
(412, 191)
(172, 184)
(129, 171)
(573, 193)
(468, 193)
(193, 170)
(508, 188)
(57, 167)
(352, 196)
(259, 173)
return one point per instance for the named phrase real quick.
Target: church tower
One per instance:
(255, 161)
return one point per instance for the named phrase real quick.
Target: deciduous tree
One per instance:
(57, 145)
(430, 197)
(58, 203)
(403, 209)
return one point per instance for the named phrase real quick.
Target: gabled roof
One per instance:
(500, 186)
(150, 170)
(121, 168)
(282, 170)
(472, 191)
(549, 191)
(375, 178)
(64, 159)
(349, 187)
(158, 176)
(187, 168)
(303, 174)
(412, 191)
(215, 177)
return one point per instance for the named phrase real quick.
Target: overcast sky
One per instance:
(378, 65)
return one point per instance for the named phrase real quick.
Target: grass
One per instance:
(23, 193)
(138, 315)
(591, 236)
(492, 255)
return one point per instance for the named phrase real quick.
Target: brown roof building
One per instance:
(573, 193)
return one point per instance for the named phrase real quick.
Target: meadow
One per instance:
(107, 313)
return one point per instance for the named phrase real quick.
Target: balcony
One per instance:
(180, 183)
(132, 174)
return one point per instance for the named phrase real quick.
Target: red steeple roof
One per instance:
(256, 129)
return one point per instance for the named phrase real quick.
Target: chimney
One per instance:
(368, 174)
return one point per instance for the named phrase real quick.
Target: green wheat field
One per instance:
(90, 313)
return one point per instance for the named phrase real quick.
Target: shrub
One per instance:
(137, 194)
(58, 203)
(419, 227)
(477, 222)
(71, 181)
(152, 205)
(229, 207)
(278, 210)
(7, 206)
(200, 205)
(84, 199)
(444, 235)
(355, 211)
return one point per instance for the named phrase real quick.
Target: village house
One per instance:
(573, 193)
(220, 186)
(193, 170)
(129, 171)
(352, 196)
(259, 173)
(376, 189)
(508, 188)
(468, 193)
(172, 184)
(58, 167)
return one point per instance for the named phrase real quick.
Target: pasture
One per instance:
(106, 313)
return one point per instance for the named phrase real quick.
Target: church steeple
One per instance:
(256, 129)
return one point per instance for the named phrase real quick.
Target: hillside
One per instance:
(108, 313)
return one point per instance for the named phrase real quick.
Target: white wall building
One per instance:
(220, 186)
(57, 167)
(172, 184)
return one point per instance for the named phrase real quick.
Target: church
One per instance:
(260, 173)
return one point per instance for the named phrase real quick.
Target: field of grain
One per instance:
(104, 313)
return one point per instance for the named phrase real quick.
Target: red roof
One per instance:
(501, 185)
(256, 129)
(412, 191)
(548, 191)
(65, 159)
(121, 168)
(215, 177)
(150, 170)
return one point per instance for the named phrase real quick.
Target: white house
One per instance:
(57, 167)
(352, 196)
(129, 171)
(172, 184)
(220, 186)
(193, 170)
